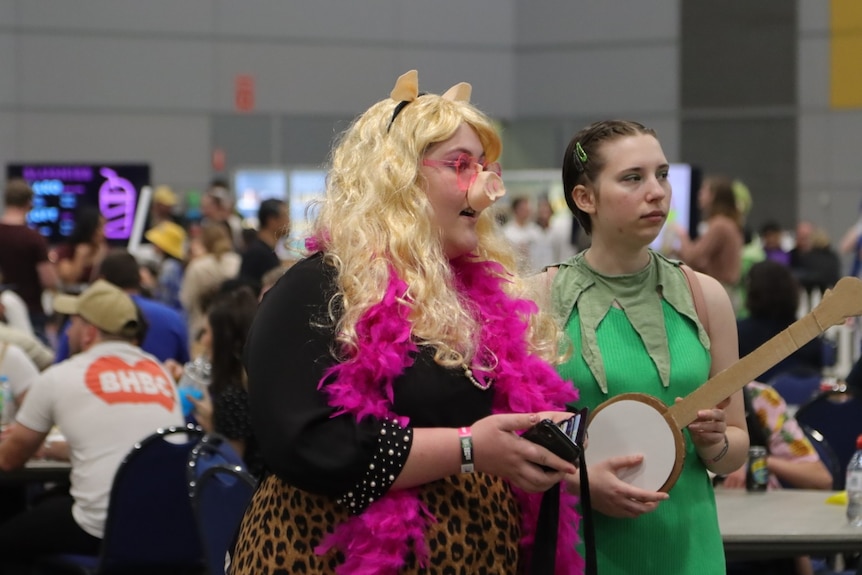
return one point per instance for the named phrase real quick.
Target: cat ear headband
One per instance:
(407, 89)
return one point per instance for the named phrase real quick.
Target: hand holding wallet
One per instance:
(564, 439)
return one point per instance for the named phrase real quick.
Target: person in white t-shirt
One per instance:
(109, 395)
(556, 244)
(14, 311)
(17, 366)
(523, 233)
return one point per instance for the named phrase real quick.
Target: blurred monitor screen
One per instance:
(61, 190)
(307, 186)
(685, 183)
(254, 185)
(299, 187)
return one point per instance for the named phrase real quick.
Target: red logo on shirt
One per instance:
(115, 381)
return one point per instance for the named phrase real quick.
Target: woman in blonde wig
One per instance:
(391, 371)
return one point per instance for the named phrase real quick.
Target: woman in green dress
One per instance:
(631, 318)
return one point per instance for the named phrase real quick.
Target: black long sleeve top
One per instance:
(289, 348)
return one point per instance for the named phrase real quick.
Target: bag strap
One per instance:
(545, 546)
(697, 295)
(591, 567)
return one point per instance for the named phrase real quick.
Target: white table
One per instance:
(784, 522)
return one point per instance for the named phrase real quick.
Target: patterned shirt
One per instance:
(786, 438)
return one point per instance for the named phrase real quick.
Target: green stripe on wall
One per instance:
(846, 54)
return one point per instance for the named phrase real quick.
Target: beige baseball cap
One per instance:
(105, 306)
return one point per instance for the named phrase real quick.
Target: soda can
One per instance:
(757, 475)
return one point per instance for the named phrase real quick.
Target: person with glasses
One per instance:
(633, 324)
(391, 371)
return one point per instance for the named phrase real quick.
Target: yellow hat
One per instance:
(105, 306)
(165, 195)
(170, 238)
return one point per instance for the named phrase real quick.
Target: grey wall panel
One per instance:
(344, 80)
(8, 69)
(593, 21)
(8, 138)
(110, 73)
(815, 150)
(738, 53)
(597, 81)
(814, 79)
(176, 148)
(244, 139)
(112, 17)
(844, 137)
(307, 141)
(334, 21)
(534, 144)
(538, 143)
(8, 125)
(8, 13)
(490, 73)
(830, 185)
(453, 25)
(306, 79)
(759, 151)
(813, 17)
(390, 23)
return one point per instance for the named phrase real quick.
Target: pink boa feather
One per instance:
(377, 541)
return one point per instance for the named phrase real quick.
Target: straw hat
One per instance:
(170, 238)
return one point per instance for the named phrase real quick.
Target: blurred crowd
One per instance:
(187, 276)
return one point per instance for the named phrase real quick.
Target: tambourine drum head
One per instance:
(630, 427)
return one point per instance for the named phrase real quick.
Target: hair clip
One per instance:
(580, 157)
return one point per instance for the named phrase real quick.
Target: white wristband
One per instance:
(466, 437)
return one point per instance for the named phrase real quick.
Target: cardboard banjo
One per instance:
(633, 423)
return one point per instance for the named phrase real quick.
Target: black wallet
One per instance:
(564, 439)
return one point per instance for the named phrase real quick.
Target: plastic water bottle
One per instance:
(7, 403)
(854, 486)
(196, 378)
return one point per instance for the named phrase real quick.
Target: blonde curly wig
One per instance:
(375, 217)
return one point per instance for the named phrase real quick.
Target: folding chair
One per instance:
(826, 453)
(150, 526)
(219, 499)
(838, 416)
(213, 449)
(797, 386)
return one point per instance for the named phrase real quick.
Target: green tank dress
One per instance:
(681, 536)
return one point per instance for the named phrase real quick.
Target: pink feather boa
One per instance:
(377, 541)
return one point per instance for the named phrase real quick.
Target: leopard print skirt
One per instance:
(477, 529)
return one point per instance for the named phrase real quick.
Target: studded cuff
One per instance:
(393, 446)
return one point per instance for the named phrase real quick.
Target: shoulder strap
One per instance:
(697, 295)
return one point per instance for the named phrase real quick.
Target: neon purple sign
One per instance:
(61, 190)
(117, 200)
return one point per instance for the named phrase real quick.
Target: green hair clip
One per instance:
(580, 157)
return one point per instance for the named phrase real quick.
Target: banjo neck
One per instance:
(844, 301)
